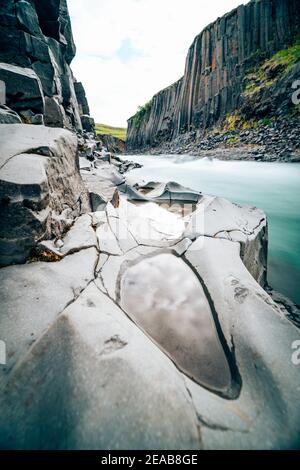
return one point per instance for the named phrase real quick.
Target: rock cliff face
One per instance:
(215, 74)
(36, 49)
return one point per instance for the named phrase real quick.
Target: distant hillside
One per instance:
(118, 132)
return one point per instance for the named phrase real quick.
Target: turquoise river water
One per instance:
(274, 187)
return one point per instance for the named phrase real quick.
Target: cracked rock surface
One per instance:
(150, 329)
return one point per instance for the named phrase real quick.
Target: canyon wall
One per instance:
(36, 49)
(216, 67)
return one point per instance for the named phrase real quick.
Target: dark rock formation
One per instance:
(23, 88)
(81, 98)
(88, 123)
(36, 36)
(216, 66)
(113, 144)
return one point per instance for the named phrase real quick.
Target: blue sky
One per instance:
(128, 50)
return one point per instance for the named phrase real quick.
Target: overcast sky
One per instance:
(128, 50)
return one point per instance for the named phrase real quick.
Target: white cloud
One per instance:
(128, 50)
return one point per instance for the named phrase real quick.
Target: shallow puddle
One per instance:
(164, 297)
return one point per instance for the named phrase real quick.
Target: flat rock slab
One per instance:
(218, 218)
(32, 296)
(88, 369)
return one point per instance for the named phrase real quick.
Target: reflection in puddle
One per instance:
(164, 297)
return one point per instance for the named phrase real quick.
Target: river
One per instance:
(273, 187)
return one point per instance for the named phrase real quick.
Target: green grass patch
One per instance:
(233, 140)
(141, 113)
(235, 121)
(272, 69)
(119, 132)
(266, 121)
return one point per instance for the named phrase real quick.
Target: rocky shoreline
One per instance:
(130, 309)
(277, 141)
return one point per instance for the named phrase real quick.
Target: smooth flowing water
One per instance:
(273, 187)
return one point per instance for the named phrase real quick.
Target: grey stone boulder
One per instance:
(41, 189)
(103, 182)
(8, 116)
(28, 117)
(132, 194)
(23, 88)
(112, 143)
(38, 120)
(98, 203)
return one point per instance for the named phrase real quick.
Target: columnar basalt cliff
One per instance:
(36, 49)
(216, 73)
